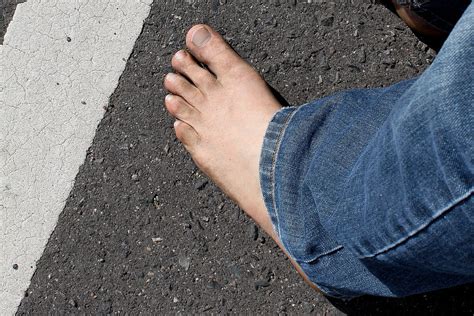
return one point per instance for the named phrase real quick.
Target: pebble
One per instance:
(72, 303)
(135, 177)
(320, 79)
(327, 20)
(253, 231)
(361, 56)
(308, 308)
(105, 308)
(389, 61)
(68, 39)
(15, 266)
(184, 262)
(201, 184)
(331, 51)
(213, 285)
(156, 239)
(156, 202)
(235, 271)
(261, 284)
(323, 62)
(354, 67)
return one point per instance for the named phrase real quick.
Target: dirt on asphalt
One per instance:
(143, 231)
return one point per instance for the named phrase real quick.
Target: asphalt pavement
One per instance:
(144, 231)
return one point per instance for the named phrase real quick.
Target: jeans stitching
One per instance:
(437, 215)
(275, 154)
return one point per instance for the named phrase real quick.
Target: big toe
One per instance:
(210, 48)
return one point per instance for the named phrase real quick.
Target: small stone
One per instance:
(308, 308)
(320, 79)
(15, 266)
(184, 262)
(72, 303)
(261, 284)
(361, 56)
(68, 39)
(235, 271)
(327, 20)
(331, 51)
(156, 202)
(83, 102)
(135, 177)
(175, 300)
(156, 239)
(105, 307)
(201, 184)
(354, 67)
(323, 62)
(213, 285)
(262, 56)
(253, 231)
(167, 148)
(388, 61)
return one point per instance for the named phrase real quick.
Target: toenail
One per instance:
(176, 123)
(201, 36)
(168, 97)
(180, 54)
(170, 77)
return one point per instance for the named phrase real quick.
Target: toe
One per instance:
(185, 64)
(179, 108)
(211, 49)
(178, 85)
(186, 134)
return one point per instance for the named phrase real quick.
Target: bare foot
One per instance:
(222, 114)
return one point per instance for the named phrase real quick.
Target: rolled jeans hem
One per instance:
(270, 149)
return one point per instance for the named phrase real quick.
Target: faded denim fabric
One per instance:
(370, 190)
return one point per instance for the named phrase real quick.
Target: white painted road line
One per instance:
(60, 62)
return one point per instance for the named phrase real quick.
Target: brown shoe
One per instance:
(430, 20)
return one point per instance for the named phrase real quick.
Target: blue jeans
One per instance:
(370, 191)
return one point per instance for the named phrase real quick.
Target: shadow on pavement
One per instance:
(454, 301)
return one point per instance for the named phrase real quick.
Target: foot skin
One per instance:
(222, 114)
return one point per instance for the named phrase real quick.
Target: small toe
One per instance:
(178, 85)
(185, 64)
(210, 48)
(179, 108)
(186, 135)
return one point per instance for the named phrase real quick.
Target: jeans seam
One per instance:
(273, 168)
(324, 254)
(437, 215)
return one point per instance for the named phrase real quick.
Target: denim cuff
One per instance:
(271, 144)
(268, 161)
